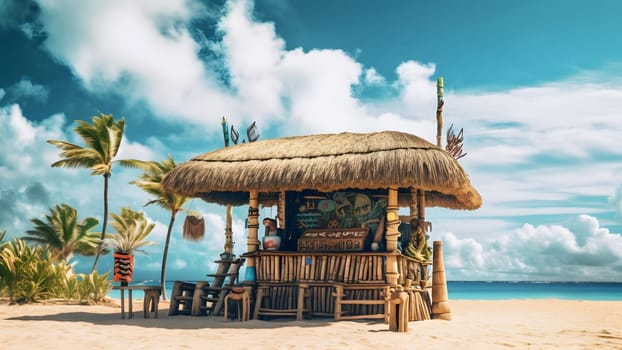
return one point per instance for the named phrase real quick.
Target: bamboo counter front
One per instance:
(282, 275)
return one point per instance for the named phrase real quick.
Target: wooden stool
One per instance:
(151, 301)
(244, 304)
(398, 315)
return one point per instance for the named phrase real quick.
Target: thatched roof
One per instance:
(326, 163)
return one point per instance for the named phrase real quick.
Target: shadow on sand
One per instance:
(178, 322)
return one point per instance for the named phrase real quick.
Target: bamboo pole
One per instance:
(421, 208)
(252, 244)
(439, 111)
(393, 221)
(280, 210)
(440, 304)
(413, 203)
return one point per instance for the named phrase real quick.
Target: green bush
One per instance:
(92, 288)
(25, 271)
(28, 274)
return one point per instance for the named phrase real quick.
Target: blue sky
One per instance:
(536, 85)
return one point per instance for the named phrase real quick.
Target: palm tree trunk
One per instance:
(105, 222)
(165, 255)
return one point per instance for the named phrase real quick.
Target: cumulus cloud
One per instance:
(616, 201)
(584, 251)
(372, 77)
(150, 55)
(146, 53)
(26, 89)
(23, 190)
(418, 89)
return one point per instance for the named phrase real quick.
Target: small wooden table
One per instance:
(144, 288)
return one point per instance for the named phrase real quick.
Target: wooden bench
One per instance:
(284, 299)
(368, 294)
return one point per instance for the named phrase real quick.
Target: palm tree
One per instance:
(102, 138)
(132, 229)
(150, 182)
(64, 234)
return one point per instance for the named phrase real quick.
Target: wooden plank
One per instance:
(360, 317)
(346, 274)
(277, 268)
(323, 263)
(314, 268)
(332, 266)
(300, 271)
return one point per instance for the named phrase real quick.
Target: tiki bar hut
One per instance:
(344, 250)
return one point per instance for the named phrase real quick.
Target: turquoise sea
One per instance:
(496, 290)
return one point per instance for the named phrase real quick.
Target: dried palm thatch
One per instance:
(194, 227)
(326, 162)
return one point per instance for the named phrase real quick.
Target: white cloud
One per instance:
(2, 93)
(255, 79)
(26, 89)
(373, 78)
(146, 53)
(418, 90)
(149, 55)
(582, 252)
(616, 200)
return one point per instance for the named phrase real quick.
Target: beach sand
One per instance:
(521, 324)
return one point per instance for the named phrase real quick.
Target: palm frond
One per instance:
(115, 135)
(132, 228)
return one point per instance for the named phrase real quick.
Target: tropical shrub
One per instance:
(29, 274)
(92, 288)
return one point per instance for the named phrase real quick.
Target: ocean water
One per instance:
(534, 290)
(496, 290)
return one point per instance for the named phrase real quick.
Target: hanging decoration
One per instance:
(194, 226)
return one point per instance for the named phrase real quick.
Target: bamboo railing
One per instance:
(320, 272)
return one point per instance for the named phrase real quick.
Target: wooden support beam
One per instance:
(391, 235)
(252, 243)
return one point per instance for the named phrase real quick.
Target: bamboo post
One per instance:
(393, 221)
(280, 210)
(439, 111)
(229, 233)
(440, 305)
(252, 243)
(421, 207)
(414, 206)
